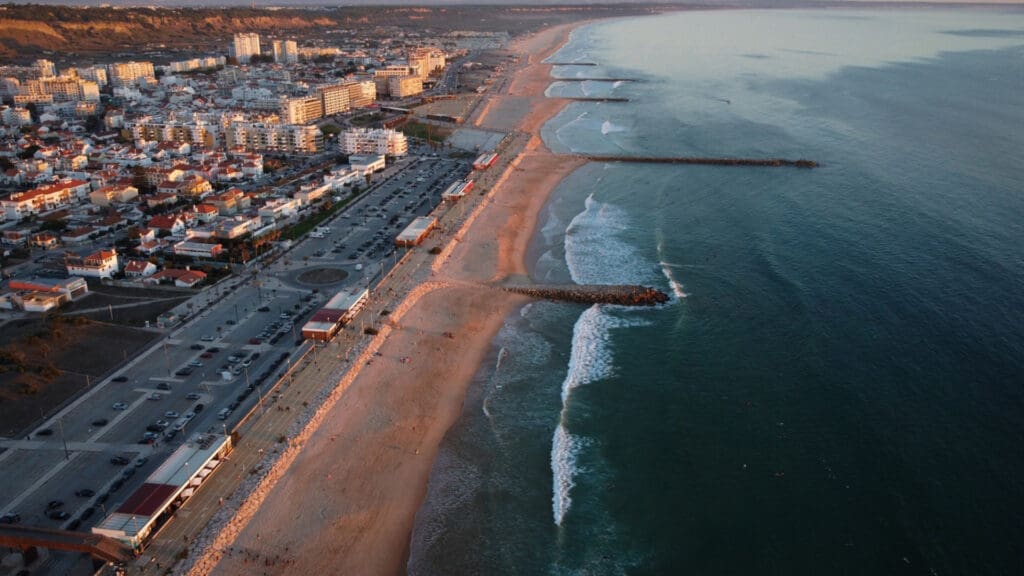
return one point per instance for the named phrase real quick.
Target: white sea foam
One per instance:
(608, 128)
(595, 252)
(677, 288)
(590, 360)
(567, 142)
(564, 450)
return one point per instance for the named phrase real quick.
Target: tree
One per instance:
(33, 110)
(28, 152)
(92, 123)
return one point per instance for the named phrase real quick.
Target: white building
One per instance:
(378, 141)
(123, 74)
(102, 264)
(245, 46)
(363, 165)
(274, 137)
(42, 199)
(286, 52)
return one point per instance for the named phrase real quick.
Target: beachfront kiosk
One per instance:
(165, 490)
(416, 231)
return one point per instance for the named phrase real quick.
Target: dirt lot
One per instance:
(128, 306)
(457, 107)
(44, 364)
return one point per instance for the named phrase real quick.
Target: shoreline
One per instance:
(347, 498)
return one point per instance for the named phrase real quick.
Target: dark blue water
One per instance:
(838, 384)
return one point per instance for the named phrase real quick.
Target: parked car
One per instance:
(119, 460)
(100, 422)
(154, 396)
(196, 346)
(119, 379)
(85, 493)
(141, 461)
(195, 364)
(171, 414)
(193, 395)
(164, 385)
(197, 408)
(88, 512)
(44, 432)
(170, 434)
(207, 338)
(74, 524)
(58, 515)
(264, 309)
(10, 518)
(54, 504)
(120, 406)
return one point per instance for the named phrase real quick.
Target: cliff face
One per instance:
(27, 30)
(47, 29)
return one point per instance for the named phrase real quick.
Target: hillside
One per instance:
(27, 31)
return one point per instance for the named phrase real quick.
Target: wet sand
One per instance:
(347, 502)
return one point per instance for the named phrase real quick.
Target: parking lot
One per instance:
(207, 374)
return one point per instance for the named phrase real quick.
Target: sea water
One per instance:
(837, 385)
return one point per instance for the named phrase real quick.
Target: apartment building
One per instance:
(404, 86)
(245, 46)
(286, 51)
(335, 98)
(198, 133)
(381, 76)
(274, 137)
(108, 194)
(125, 74)
(377, 141)
(42, 199)
(426, 60)
(302, 110)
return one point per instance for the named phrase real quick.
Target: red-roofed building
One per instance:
(102, 264)
(173, 224)
(139, 268)
(44, 198)
(206, 212)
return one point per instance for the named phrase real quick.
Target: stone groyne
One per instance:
(763, 162)
(594, 99)
(623, 295)
(596, 80)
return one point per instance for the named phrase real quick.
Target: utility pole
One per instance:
(60, 424)
(167, 358)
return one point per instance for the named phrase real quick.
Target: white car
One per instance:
(154, 396)
(120, 406)
(196, 363)
(171, 414)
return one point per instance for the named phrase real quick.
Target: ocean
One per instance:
(837, 385)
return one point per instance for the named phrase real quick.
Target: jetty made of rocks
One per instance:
(763, 162)
(623, 295)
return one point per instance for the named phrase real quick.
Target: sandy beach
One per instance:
(347, 501)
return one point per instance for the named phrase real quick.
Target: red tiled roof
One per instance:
(149, 498)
